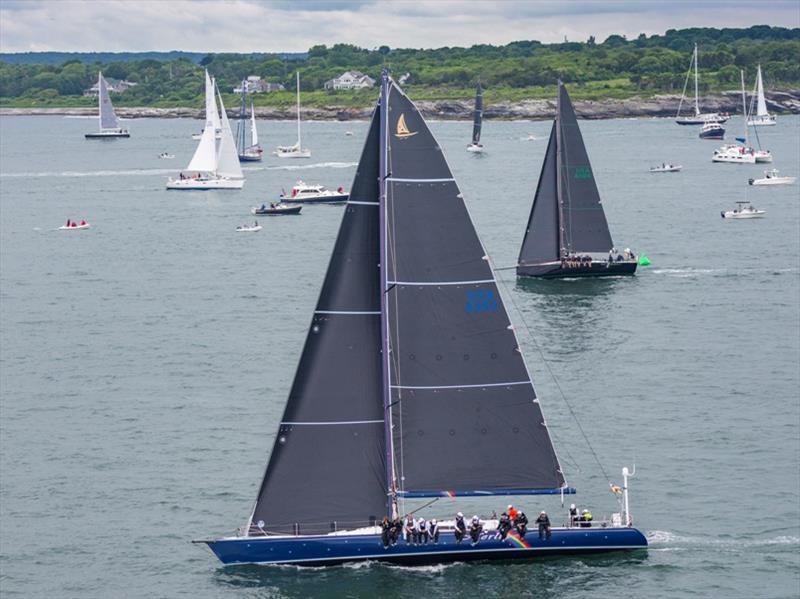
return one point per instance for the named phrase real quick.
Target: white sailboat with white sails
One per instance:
(762, 117)
(697, 118)
(297, 150)
(744, 153)
(215, 164)
(108, 121)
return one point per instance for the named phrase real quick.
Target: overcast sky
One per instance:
(294, 26)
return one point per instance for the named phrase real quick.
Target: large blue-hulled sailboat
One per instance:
(411, 383)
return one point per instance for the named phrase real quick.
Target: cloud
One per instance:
(281, 25)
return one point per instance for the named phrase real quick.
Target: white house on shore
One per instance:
(350, 80)
(114, 85)
(256, 85)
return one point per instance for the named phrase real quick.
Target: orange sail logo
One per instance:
(402, 128)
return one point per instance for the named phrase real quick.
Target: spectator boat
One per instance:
(771, 177)
(215, 164)
(666, 167)
(697, 118)
(275, 209)
(303, 193)
(384, 408)
(742, 154)
(762, 118)
(712, 131)
(251, 152)
(297, 150)
(255, 227)
(743, 210)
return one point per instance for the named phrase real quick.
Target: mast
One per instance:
(744, 107)
(559, 196)
(696, 101)
(100, 100)
(242, 119)
(299, 143)
(383, 173)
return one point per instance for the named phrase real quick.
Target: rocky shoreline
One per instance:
(781, 102)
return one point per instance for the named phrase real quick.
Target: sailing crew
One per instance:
(521, 524)
(422, 531)
(397, 529)
(512, 512)
(459, 528)
(573, 515)
(475, 530)
(503, 525)
(434, 530)
(386, 531)
(544, 525)
(408, 531)
(67, 225)
(586, 519)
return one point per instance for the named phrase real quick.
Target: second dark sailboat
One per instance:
(567, 233)
(477, 122)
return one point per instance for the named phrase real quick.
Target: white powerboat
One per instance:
(215, 164)
(762, 117)
(697, 118)
(743, 210)
(303, 193)
(166, 156)
(297, 150)
(255, 227)
(666, 167)
(771, 177)
(109, 123)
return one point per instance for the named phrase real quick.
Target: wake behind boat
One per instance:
(108, 121)
(567, 233)
(368, 425)
(215, 164)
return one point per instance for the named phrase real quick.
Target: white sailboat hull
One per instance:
(774, 181)
(762, 121)
(763, 156)
(734, 155)
(202, 184)
(475, 148)
(293, 153)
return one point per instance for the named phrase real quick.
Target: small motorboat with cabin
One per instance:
(255, 227)
(771, 177)
(303, 193)
(276, 209)
(743, 210)
(712, 131)
(666, 167)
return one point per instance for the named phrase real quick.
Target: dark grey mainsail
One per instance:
(478, 117)
(583, 220)
(327, 468)
(542, 242)
(462, 398)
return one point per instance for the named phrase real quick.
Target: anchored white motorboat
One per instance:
(303, 193)
(697, 118)
(666, 167)
(771, 177)
(215, 164)
(712, 131)
(743, 210)
(297, 150)
(166, 156)
(249, 228)
(109, 123)
(762, 118)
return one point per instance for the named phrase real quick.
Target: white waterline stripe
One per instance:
(364, 203)
(464, 386)
(345, 312)
(399, 180)
(329, 423)
(436, 283)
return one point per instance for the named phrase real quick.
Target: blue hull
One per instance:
(331, 550)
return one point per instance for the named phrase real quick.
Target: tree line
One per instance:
(613, 68)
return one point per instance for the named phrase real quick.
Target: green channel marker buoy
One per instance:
(644, 260)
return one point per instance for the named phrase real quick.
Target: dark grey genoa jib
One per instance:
(321, 550)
